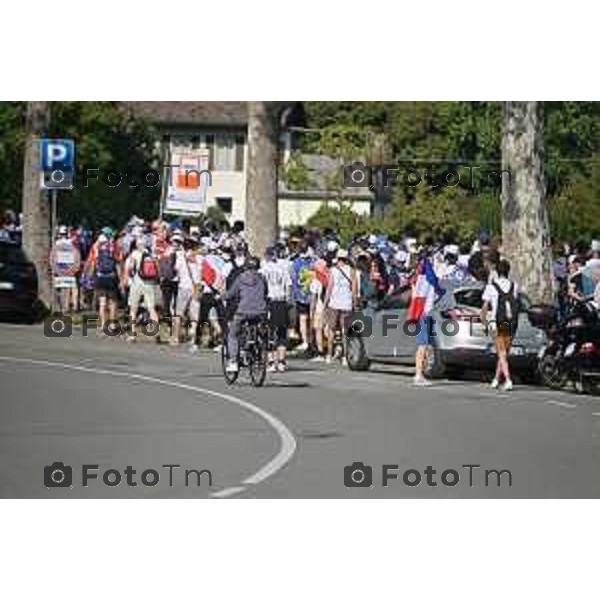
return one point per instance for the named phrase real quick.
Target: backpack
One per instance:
(106, 266)
(148, 269)
(507, 312)
(166, 268)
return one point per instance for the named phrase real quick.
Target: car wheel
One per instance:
(434, 365)
(357, 355)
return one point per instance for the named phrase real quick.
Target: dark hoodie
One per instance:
(250, 291)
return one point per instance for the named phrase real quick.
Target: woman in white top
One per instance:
(339, 300)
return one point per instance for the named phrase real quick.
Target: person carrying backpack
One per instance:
(101, 266)
(142, 268)
(500, 299)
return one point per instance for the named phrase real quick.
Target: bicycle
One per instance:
(253, 352)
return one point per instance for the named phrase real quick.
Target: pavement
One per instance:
(109, 405)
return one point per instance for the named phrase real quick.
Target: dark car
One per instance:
(18, 283)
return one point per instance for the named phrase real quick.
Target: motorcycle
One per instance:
(572, 352)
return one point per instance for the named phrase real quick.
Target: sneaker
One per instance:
(508, 385)
(420, 381)
(218, 349)
(232, 366)
(174, 343)
(193, 349)
(303, 347)
(272, 368)
(344, 362)
(328, 360)
(281, 367)
(317, 358)
(131, 339)
(495, 383)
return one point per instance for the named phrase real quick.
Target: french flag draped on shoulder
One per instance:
(425, 288)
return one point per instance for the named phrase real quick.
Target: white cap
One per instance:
(401, 256)
(332, 246)
(177, 236)
(372, 239)
(342, 253)
(451, 249)
(595, 247)
(62, 230)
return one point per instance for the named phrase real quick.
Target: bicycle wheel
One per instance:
(257, 362)
(230, 377)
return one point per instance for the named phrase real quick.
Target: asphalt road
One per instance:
(107, 403)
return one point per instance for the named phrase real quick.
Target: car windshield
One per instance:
(11, 254)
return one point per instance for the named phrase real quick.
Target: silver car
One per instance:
(460, 342)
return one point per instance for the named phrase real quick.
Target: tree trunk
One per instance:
(261, 189)
(36, 207)
(525, 227)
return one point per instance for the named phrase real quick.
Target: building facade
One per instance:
(222, 128)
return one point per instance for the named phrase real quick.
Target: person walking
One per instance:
(342, 290)
(279, 282)
(500, 300)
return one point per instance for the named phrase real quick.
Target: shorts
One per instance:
(302, 308)
(208, 304)
(423, 337)
(278, 314)
(335, 319)
(106, 287)
(137, 290)
(502, 341)
(187, 301)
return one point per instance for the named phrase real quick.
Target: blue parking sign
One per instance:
(57, 162)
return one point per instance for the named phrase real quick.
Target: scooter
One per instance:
(572, 352)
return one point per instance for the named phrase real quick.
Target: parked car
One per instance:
(18, 283)
(464, 345)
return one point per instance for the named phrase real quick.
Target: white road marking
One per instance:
(230, 491)
(558, 403)
(288, 442)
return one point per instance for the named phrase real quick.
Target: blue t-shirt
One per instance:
(302, 267)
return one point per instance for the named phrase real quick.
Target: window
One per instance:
(239, 152)
(224, 152)
(225, 204)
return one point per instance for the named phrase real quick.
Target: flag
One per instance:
(425, 288)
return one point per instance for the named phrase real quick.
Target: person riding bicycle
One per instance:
(249, 291)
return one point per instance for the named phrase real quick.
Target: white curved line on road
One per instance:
(288, 442)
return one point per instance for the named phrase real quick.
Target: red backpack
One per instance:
(148, 267)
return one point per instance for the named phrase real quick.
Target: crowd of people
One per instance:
(202, 283)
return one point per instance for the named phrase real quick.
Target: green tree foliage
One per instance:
(454, 134)
(339, 216)
(106, 137)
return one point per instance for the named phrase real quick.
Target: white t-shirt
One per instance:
(341, 291)
(277, 274)
(187, 269)
(316, 289)
(490, 294)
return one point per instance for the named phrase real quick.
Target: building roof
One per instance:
(191, 113)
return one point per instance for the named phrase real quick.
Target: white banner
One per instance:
(188, 179)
